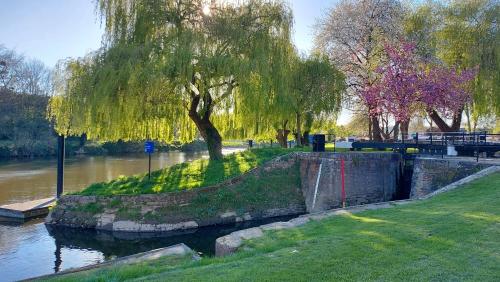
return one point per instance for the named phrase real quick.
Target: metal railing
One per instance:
(458, 138)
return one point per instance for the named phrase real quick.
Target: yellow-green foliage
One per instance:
(463, 34)
(158, 54)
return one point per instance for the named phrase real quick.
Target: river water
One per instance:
(29, 249)
(22, 180)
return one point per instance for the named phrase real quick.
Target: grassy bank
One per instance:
(454, 236)
(265, 190)
(123, 272)
(199, 173)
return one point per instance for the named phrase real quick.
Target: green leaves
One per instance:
(158, 55)
(317, 86)
(462, 34)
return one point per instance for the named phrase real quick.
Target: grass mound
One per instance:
(189, 175)
(451, 237)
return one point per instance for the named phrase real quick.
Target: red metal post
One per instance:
(342, 169)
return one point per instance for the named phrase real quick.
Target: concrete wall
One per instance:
(430, 174)
(369, 178)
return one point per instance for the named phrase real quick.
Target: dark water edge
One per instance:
(32, 249)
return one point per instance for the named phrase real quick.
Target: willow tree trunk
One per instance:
(213, 139)
(299, 134)
(205, 126)
(282, 137)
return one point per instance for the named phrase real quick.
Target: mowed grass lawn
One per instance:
(452, 237)
(188, 175)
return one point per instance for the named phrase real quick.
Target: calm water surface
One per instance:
(35, 179)
(32, 249)
(29, 249)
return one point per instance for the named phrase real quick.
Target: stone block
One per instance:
(299, 221)
(249, 233)
(230, 243)
(431, 174)
(227, 245)
(369, 178)
(276, 226)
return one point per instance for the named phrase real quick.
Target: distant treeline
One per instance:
(24, 130)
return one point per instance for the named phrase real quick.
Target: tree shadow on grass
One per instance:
(219, 171)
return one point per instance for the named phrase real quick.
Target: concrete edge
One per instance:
(230, 243)
(174, 250)
(11, 213)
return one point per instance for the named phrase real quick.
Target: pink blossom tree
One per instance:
(400, 82)
(372, 98)
(406, 84)
(444, 92)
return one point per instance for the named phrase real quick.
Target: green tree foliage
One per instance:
(420, 26)
(24, 86)
(311, 94)
(463, 34)
(316, 88)
(470, 38)
(169, 68)
(24, 130)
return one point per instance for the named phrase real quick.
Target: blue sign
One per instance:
(149, 147)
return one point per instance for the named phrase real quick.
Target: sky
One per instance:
(51, 30)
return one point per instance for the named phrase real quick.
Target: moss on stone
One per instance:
(129, 213)
(278, 188)
(90, 208)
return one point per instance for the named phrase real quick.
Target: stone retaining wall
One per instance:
(369, 178)
(283, 186)
(430, 174)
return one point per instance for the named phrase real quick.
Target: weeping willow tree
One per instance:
(311, 88)
(265, 114)
(470, 38)
(317, 88)
(168, 69)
